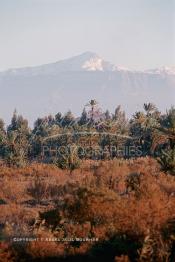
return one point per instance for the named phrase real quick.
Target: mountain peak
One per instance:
(90, 61)
(87, 61)
(89, 54)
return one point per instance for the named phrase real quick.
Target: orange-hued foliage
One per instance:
(116, 210)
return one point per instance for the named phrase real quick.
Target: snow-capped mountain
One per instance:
(87, 61)
(71, 83)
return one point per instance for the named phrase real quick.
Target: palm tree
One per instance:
(149, 108)
(166, 132)
(92, 104)
(167, 127)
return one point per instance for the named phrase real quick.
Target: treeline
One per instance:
(65, 139)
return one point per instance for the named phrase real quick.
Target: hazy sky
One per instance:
(132, 33)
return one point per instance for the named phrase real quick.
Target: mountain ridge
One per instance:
(87, 61)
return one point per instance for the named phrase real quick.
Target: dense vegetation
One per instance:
(100, 187)
(64, 140)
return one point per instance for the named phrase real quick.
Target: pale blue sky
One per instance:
(137, 34)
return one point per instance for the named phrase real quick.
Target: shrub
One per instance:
(68, 159)
(37, 189)
(167, 161)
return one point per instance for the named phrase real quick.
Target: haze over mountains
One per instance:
(71, 83)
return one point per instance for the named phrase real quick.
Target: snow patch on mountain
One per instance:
(94, 64)
(162, 71)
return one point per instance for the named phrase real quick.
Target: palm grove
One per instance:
(65, 140)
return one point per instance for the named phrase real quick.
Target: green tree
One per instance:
(68, 119)
(107, 115)
(2, 138)
(17, 141)
(84, 118)
(167, 131)
(58, 118)
(120, 121)
(142, 126)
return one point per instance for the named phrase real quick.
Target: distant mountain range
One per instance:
(71, 83)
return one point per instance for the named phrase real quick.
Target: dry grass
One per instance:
(93, 202)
